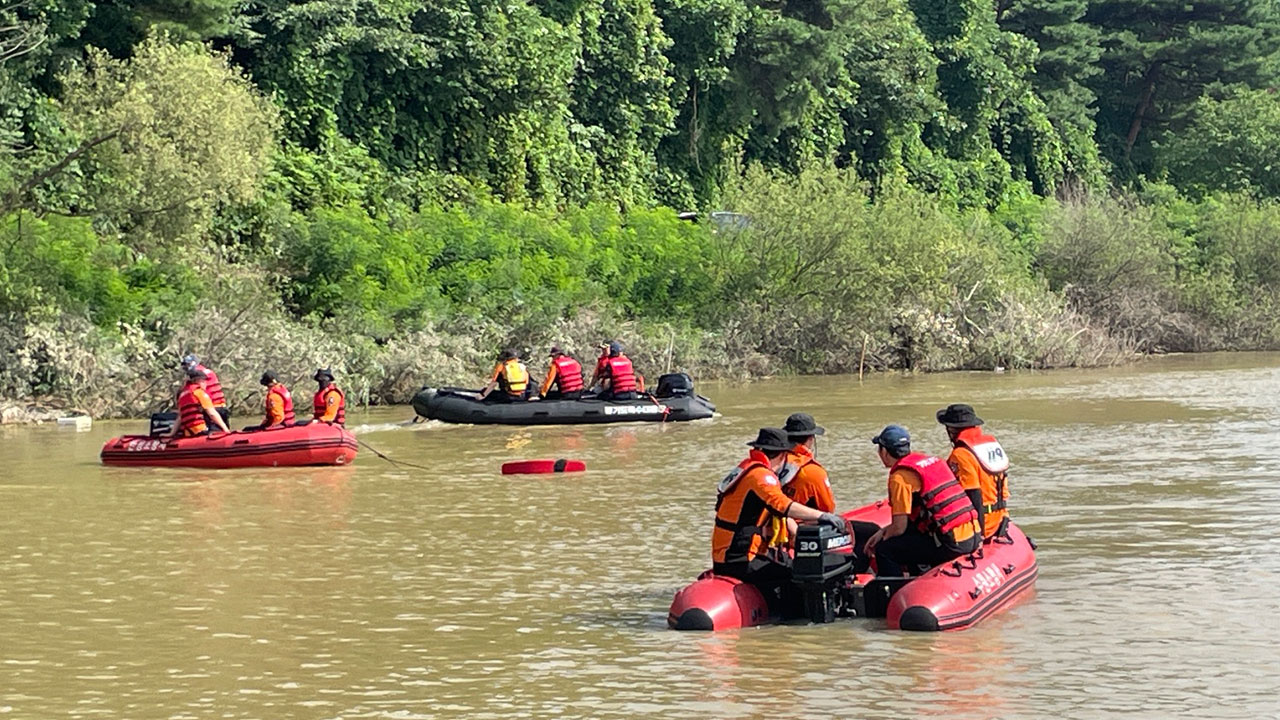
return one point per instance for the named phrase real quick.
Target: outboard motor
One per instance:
(822, 565)
(162, 423)
(674, 385)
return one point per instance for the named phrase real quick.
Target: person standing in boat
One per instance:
(329, 404)
(746, 500)
(619, 380)
(195, 408)
(981, 466)
(510, 377)
(212, 386)
(565, 374)
(278, 410)
(933, 519)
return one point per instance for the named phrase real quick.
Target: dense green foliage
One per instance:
(396, 189)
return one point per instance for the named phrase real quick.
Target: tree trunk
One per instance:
(1144, 104)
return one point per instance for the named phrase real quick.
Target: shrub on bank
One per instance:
(821, 271)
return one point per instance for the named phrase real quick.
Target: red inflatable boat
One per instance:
(952, 596)
(316, 443)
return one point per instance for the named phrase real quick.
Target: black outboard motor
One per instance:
(674, 385)
(162, 423)
(823, 563)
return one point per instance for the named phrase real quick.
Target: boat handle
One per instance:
(240, 442)
(974, 593)
(1008, 569)
(956, 567)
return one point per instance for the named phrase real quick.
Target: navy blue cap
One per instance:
(894, 438)
(615, 347)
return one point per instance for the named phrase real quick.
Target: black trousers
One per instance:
(766, 573)
(862, 531)
(557, 395)
(908, 551)
(500, 396)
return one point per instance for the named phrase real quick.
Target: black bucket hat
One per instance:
(959, 416)
(323, 373)
(771, 439)
(802, 425)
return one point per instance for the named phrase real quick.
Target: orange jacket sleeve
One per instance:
(765, 485)
(965, 467)
(330, 407)
(551, 378)
(275, 409)
(203, 397)
(902, 485)
(815, 488)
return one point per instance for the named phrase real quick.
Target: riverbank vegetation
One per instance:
(399, 191)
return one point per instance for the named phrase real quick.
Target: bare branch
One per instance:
(14, 199)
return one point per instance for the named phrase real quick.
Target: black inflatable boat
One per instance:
(674, 401)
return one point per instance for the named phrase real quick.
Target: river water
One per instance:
(377, 591)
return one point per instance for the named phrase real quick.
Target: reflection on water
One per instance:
(385, 591)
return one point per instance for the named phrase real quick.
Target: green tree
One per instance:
(1160, 56)
(1067, 58)
(166, 137)
(1230, 144)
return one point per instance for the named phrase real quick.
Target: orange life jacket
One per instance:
(741, 528)
(622, 377)
(995, 465)
(282, 392)
(319, 405)
(213, 387)
(191, 411)
(943, 505)
(568, 373)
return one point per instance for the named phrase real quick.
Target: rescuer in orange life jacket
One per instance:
(278, 404)
(195, 409)
(981, 466)
(329, 404)
(565, 374)
(933, 519)
(212, 386)
(805, 480)
(747, 498)
(510, 377)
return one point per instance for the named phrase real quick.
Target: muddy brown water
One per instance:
(382, 592)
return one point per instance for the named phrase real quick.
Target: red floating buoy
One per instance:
(523, 467)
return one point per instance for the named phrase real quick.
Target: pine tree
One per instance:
(1069, 50)
(1160, 56)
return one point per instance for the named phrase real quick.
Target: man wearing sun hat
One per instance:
(746, 500)
(980, 464)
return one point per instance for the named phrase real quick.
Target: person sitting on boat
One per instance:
(602, 363)
(510, 377)
(981, 466)
(195, 408)
(805, 480)
(565, 374)
(278, 403)
(747, 498)
(619, 377)
(933, 519)
(212, 385)
(329, 404)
